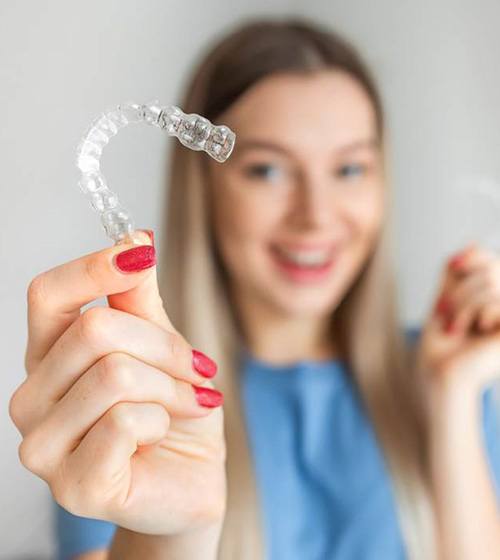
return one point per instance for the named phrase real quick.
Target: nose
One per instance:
(311, 205)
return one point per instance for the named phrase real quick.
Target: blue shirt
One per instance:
(324, 486)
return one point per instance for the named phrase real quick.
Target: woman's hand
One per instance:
(460, 342)
(109, 414)
(459, 355)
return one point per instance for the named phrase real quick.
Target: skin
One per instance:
(107, 383)
(314, 178)
(324, 184)
(300, 194)
(459, 356)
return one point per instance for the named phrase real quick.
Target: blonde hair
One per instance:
(365, 324)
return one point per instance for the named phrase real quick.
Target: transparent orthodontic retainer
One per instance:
(192, 130)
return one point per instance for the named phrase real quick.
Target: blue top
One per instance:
(321, 476)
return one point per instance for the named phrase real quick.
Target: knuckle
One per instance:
(114, 373)
(163, 416)
(94, 324)
(92, 268)
(21, 410)
(119, 418)
(30, 455)
(37, 292)
(15, 406)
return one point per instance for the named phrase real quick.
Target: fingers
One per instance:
(470, 296)
(113, 440)
(470, 259)
(462, 301)
(56, 296)
(101, 331)
(116, 377)
(489, 317)
(144, 299)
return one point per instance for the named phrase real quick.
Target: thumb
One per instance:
(144, 300)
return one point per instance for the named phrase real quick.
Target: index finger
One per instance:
(56, 296)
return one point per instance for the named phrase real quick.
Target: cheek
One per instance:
(242, 224)
(367, 215)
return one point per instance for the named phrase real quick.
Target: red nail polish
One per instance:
(456, 262)
(443, 306)
(450, 326)
(203, 364)
(135, 259)
(208, 397)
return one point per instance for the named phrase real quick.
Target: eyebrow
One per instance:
(249, 144)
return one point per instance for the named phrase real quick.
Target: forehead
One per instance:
(314, 112)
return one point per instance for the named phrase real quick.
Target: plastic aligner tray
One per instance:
(192, 130)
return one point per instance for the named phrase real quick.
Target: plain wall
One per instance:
(61, 63)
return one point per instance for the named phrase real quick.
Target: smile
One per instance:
(304, 265)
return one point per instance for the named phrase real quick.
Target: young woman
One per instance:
(342, 438)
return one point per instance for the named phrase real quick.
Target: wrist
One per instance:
(451, 390)
(454, 406)
(189, 545)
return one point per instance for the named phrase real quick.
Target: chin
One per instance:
(306, 305)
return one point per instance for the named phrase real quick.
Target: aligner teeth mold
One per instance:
(192, 130)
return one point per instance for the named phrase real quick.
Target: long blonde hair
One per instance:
(195, 289)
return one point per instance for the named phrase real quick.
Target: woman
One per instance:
(342, 439)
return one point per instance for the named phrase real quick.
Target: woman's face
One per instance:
(298, 206)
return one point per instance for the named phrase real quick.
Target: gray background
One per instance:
(62, 62)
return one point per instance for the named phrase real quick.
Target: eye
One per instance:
(264, 171)
(351, 170)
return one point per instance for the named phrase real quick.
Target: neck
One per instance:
(278, 338)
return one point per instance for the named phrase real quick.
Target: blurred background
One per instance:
(63, 62)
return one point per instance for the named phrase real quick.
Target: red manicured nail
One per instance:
(450, 326)
(203, 364)
(457, 262)
(443, 306)
(208, 397)
(135, 259)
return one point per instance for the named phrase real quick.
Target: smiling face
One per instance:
(298, 207)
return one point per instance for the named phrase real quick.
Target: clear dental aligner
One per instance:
(192, 130)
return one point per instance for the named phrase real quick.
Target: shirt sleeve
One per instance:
(491, 432)
(75, 535)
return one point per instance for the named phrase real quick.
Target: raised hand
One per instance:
(117, 412)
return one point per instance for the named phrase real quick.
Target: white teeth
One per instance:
(306, 258)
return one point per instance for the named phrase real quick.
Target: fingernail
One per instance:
(443, 306)
(203, 364)
(151, 235)
(208, 397)
(457, 261)
(450, 326)
(135, 259)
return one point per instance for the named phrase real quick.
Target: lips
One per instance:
(301, 264)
